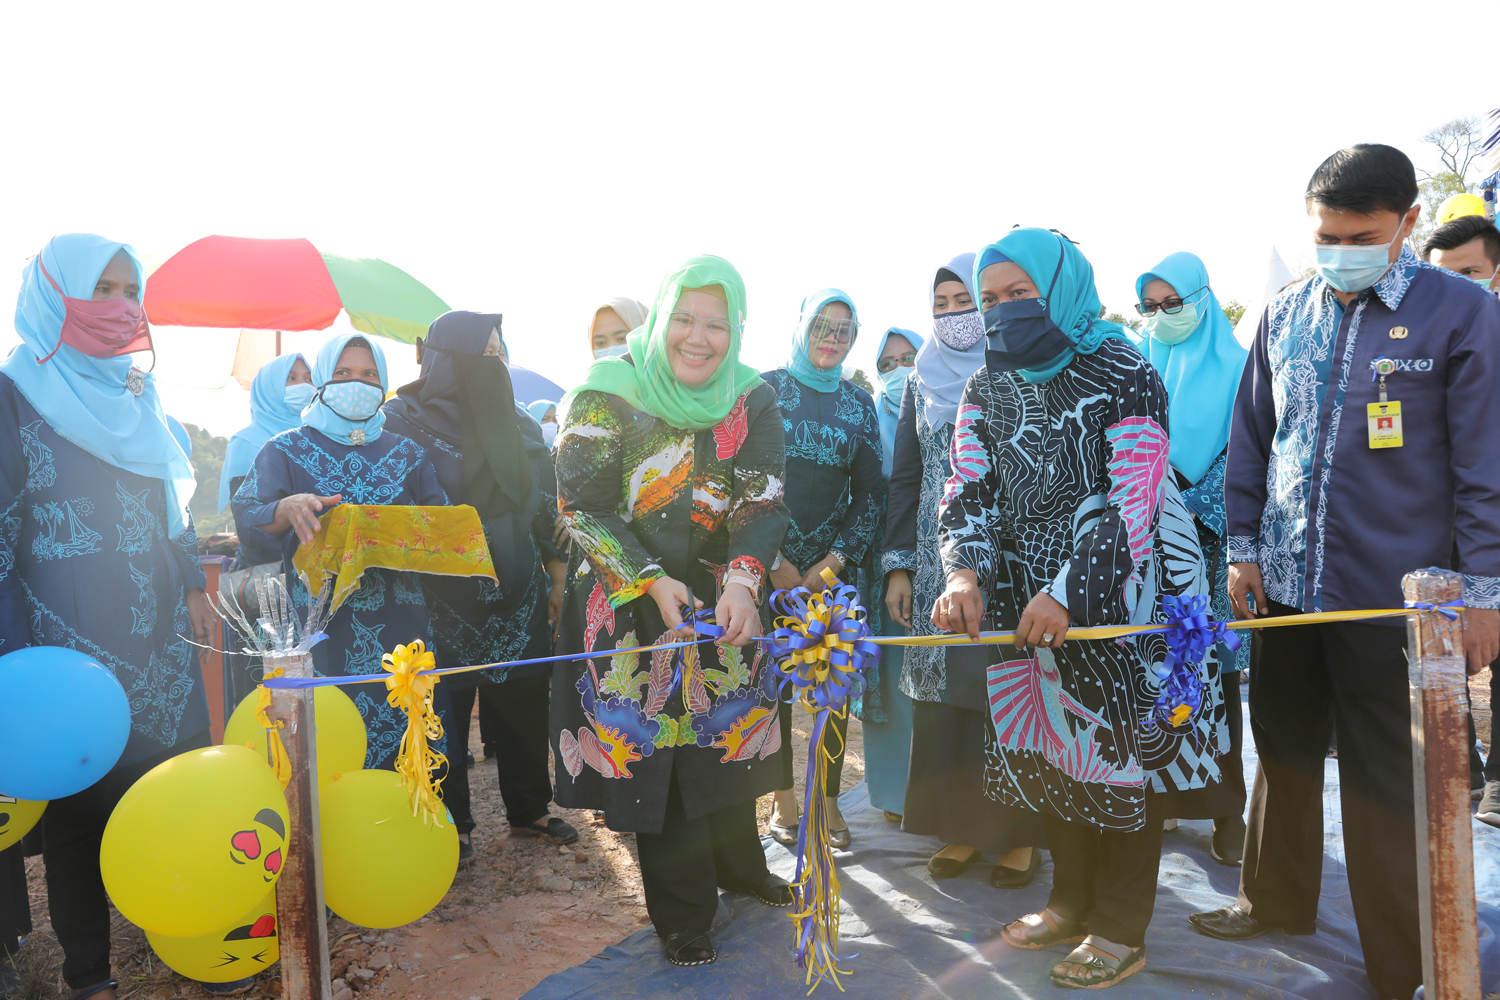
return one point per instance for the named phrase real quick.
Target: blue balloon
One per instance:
(64, 720)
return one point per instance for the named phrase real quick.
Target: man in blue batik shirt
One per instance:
(1330, 503)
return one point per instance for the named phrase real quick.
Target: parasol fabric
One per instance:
(232, 281)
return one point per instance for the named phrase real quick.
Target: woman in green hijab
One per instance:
(670, 473)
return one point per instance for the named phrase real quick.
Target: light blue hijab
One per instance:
(801, 366)
(538, 408)
(1201, 373)
(888, 401)
(319, 415)
(269, 416)
(85, 399)
(942, 371)
(1073, 303)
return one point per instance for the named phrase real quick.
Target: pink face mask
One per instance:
(105, 329)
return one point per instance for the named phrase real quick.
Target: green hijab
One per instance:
(646, 381)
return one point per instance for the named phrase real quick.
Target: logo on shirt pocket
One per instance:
(1400, 364)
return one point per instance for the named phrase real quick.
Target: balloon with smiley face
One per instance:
(249, 946)
(195, 842)
(17, 817)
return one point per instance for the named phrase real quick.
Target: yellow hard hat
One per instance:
(1458, 206)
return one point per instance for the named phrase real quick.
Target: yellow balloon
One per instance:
(382, 866)
(17, 817)
(248, 946)
(1459, 206)
(341, 731)
(196, 842)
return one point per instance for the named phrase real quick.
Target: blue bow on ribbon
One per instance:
(1190, 632)
(1443, 609)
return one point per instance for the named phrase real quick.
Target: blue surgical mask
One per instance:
(1353, 268)
(616, 351)
(298, 395)
(1483, 282)
(1175, 328)
(549, 432)
(352, 399)
(893, 384)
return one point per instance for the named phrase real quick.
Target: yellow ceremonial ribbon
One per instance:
(411, 692)
(276, 757)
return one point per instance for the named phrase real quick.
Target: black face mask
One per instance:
(1021, 333)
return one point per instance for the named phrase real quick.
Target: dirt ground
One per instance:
(521, 911)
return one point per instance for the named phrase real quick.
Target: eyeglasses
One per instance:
(683, 322)
(840, 331)
(1171, 305)
(900, 361)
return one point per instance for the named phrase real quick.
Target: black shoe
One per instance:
(468, 758)
(939, 867)
(557, 830)
(465, 852)
(228, 989)
(1002, 877)
(1228, 846)
(689, 948)
(1233, 924)
(1488, 810)
(773, 890)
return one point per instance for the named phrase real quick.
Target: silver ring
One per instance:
(1046, 636)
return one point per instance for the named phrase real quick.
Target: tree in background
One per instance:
(862, 380)
(1134, 324)
(1458, 145)
(1234, 309)
(207, 461)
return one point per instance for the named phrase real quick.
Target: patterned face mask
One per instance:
(353, 399)
(959, 330)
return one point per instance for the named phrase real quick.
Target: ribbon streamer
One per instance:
(1190, 632)
(411, 683)
(276, 757)
(821, 650)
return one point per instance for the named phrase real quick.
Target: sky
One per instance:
(538, 159)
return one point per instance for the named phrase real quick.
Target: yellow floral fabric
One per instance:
(446, 541)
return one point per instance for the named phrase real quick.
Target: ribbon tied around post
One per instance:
(410, 692)
(1190, 632)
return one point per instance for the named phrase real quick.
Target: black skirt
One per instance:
(945, 785)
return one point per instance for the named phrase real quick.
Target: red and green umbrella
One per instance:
(232, 281)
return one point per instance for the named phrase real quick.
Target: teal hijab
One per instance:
(1201, 373)
(85, 399)
(269, 416)
(800, 365)
(888, 402)
(319, 415)
(1072, 301)
(646, 381)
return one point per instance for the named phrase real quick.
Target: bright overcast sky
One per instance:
(536, 159)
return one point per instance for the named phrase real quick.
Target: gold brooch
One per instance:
(1398, 333)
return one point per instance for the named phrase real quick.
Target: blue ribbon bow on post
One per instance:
(1190, 632)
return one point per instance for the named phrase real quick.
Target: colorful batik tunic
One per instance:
(389, 608)
(1062, 487)
(85, 562)
(644, 500)
(475, 621)
(1205, 499)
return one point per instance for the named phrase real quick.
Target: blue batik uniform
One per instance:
(85, 562)
(389, 608)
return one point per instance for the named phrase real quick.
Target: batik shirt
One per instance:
(1062, 488)
(834, 487)
(1333, 523)
(644, 500)
(390, 607)
(86, 562)
(1205, 499)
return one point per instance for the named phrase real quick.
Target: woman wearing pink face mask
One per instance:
(98, 551)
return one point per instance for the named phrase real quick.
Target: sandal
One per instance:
(689, 948)
(97, 988)
(773, 890)
(557, 830)
(839, 838)
(1099, 969)
(786, 836)
(1036, 931)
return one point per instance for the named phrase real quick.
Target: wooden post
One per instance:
(301, 920)
(1440, 772)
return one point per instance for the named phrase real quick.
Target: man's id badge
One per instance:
(1385, 424)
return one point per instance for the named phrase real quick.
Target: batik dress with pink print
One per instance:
(1063, 487)
(644, 500)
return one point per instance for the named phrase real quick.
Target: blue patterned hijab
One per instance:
(319, 415)
(1201, 373)
(86, 399)
(800, 365)
(269, 416)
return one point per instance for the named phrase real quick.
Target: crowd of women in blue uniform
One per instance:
(1026, 464)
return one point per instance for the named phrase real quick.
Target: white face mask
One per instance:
(298, 395)
(549, 432)
(611, 352)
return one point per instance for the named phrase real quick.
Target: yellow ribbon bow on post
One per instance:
(411, 693)
(276, 757)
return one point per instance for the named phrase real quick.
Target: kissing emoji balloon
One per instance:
(196, 842)
(17, 817)
(247, 947)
